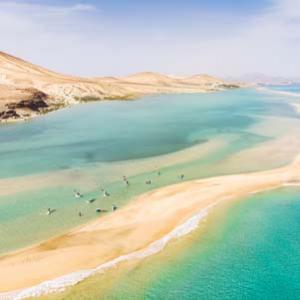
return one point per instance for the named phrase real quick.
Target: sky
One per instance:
(182, 37)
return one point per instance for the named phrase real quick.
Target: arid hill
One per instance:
(27, 90)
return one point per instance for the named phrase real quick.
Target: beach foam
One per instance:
(285, 93)
(61, 283)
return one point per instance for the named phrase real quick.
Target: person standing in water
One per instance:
(125, 179)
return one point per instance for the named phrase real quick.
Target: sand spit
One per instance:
(157, 213)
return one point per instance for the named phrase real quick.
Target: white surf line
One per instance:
(296, 106)
(61, 283)
(285, 93)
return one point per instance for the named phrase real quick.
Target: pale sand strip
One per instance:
(277, 92)
(296, 106)
(150, 218)
(85, 178)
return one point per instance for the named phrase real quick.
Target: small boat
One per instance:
(106, 193)
(99, 210)
(77, 194)
(50, 211)
(91, 200)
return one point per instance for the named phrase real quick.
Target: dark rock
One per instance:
(35, 103)
(9, 114)
(32, 104)
(229, 86)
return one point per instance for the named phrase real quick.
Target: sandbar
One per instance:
(133, 228)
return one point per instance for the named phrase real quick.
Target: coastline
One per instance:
(155, 90)
(28, 90)
(277, 92)
(98, 243)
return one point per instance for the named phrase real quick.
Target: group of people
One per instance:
(106, 194)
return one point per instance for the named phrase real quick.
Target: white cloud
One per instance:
(83, 7)
(53, 36)
(33, 8)
(81, 39)
(271, 40)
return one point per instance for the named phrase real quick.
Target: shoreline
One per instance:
(60, 284)
(134, 97)
(277, 92)
(99, 243)
(27, 90)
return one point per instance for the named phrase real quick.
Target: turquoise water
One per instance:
(255, 255)
(89, 141)
(251, 252)
(117, 131)
(294, 88)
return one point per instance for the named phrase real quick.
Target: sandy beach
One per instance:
(28, 90)
(133, 228)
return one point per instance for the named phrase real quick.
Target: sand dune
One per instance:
(21, 80)
(156, 213)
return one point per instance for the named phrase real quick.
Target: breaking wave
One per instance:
(61, 283)
(284, 93)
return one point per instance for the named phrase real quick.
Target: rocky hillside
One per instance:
(27, 90)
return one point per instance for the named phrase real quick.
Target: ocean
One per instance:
(247, 250)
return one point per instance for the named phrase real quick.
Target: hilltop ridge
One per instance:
(27, 90)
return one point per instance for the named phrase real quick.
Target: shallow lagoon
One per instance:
(91, 146)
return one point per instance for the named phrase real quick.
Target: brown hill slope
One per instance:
(27, 90)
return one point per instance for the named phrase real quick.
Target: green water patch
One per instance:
(24, 219)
